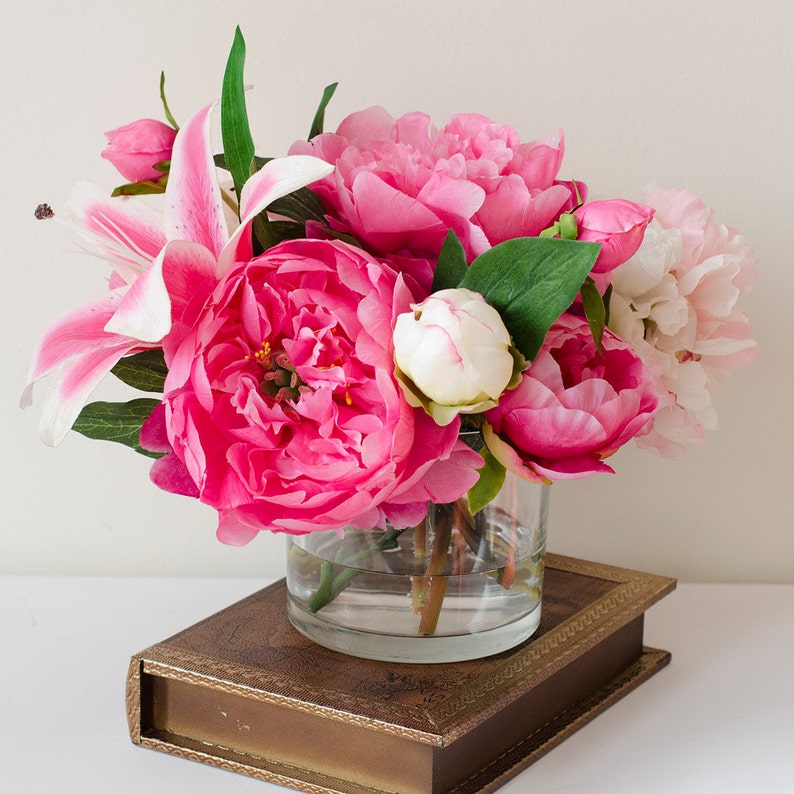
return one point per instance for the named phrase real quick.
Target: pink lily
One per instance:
(159, 263)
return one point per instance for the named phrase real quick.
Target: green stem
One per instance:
(331, 586)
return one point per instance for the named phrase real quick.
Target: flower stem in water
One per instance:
(331, 586)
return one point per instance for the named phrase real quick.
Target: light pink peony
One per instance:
(400, 184)
(281, 400)
(676, 302)
(136, 148)
(573, 407)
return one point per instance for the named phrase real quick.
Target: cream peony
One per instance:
(676, 302)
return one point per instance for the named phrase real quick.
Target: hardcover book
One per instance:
(244, 691)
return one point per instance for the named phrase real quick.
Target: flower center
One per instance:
(279, 381)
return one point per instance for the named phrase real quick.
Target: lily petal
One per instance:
(145, 310)
(123, 230)
(76, 333)
(72, 385)
(193, 203)
(276, 179)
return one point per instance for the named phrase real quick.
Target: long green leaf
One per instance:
(531, 281)
(451, 266)
(145, 371)
(238, 146)
(119, 422)
(319, 116)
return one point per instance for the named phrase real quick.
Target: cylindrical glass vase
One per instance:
(457, 586)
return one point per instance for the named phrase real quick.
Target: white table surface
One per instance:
(720, 718)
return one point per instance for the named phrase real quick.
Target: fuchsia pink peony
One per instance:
(282, 403)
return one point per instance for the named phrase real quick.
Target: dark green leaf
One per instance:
(595, 311)
(145, 371)
(492, 477)
(264, 236)
(451, 266)
(119, 422)
(319, 116)
(238, 146)
(168, 115)
(531, 281)
(301, 206)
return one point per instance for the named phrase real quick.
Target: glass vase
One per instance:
(457, 586)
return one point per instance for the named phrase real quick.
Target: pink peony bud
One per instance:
(619, 226)
(135, 148)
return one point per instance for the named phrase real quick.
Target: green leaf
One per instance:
(119, 422)
(238, 146)
(595, 311)
(451, 266)
(319, 116)
(492, 477)
(531, 281)
(301, 206)
(145, 371)
(166, 109)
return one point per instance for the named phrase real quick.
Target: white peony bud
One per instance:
(454, 350)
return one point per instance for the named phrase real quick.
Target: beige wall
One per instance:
(695, 94)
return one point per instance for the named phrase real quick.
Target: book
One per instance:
(244, 691)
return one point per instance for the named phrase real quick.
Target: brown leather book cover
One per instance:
(244, 691)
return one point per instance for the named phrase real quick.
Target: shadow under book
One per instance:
(244, 691)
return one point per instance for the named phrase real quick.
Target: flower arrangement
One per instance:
(320, 327)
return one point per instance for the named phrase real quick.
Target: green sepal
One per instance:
(147, 187)
(319, 116)
(118, 422)
(238, 145)
(166, 109)
(451, 266)
(531, 281)
(569, 228)
(485, 490)
(145, 371)
(595, 311)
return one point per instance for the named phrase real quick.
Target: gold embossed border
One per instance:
(632, 594)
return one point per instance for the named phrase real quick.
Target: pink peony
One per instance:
(676, 302)
(281, 400)
(136, 148)
(617, 224)
(400, 185)
(573, 407)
